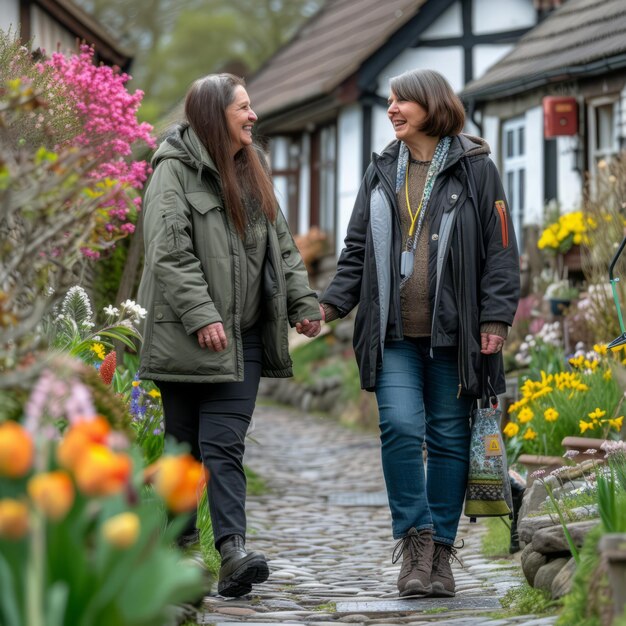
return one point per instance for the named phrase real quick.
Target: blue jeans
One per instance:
(417, 402)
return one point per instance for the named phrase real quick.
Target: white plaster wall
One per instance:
(280, 189)
(534, 191)
(492, 16)
(9, 15)
(484, 56)
(491, 134)
(304, 199)
(382, 131)
(569, 180)
(349, 147)
(279, 147)
(49, 35)
(448, 61)
(449, 24)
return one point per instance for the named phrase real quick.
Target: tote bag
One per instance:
(488, 487)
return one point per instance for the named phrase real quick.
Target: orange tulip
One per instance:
(121, 530)
(52, 494)
(13, 519)
(178, 480)
(101, 472)
(16, 450)
(79, 437)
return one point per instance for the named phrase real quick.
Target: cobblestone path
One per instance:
(325, 528)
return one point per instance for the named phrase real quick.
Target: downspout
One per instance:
(471, 113)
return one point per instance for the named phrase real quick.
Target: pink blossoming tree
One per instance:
(108, 130)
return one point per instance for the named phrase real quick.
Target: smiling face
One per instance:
(240, 118)
(406, 117)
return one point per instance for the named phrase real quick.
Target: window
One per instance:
(602, 140)
(514, 169)
(602, 130)
(285, 160)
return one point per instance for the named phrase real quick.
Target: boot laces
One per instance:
(447, 553)
(413, 543)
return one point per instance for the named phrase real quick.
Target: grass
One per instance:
(329, 607)
(524, 600)
(497, 538)
(256, 484)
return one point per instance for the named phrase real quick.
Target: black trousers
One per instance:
(213, 418)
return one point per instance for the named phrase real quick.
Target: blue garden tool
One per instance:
(621, 340)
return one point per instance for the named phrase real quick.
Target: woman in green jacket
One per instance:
(222, 281)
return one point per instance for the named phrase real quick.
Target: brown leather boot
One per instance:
(416, 549)
(441, 578)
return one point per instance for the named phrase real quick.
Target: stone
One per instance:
(562, 583)
(534, 497)
(552, 539)
(531, 561)
(547, 573)
(530, 525)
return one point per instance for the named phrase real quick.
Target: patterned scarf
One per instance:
(437, 162)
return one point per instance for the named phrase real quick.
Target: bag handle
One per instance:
(488, 372)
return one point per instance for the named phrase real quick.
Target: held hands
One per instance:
(490, 344)
(212, 337)
(310, 329)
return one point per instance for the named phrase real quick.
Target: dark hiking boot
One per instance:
(441, 578)
(416, 549)
(240, 569)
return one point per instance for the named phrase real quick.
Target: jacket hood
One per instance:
(183, 144)
(472, 145)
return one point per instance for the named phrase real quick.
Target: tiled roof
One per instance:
(582, 36)
(327, 50)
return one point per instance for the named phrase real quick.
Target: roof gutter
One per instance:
(528, 83)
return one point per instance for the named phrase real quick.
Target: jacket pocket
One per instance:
(204, 201)
(172, 351)
(504, 223)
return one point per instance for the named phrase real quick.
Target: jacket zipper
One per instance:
(504, 225)
(462, 355)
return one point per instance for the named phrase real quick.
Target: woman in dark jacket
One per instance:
(222, 281)
(431, 258)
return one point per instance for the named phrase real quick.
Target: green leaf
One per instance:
(118, 336)
(56, 604)
(9, 611)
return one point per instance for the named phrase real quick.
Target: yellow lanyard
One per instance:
(408, 203)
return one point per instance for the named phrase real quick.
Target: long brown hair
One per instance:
(245, 175)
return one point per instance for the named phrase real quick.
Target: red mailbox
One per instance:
(560, 116)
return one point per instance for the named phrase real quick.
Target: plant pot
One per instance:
(534, 462)
(612, 548)
(558, 306)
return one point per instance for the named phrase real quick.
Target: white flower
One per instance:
(111, 311)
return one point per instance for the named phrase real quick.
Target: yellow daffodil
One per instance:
(511, 429)
(597, 414)
(530, 434)
(584, 426)
(551, 415)
(525, 415)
